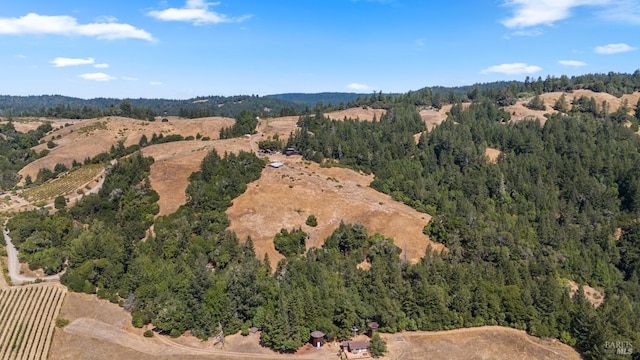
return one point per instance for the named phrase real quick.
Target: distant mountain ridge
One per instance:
(503, 92)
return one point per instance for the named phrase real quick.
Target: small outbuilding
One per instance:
(276, 164)
(356, 349)
(372, 327)
(317, 338)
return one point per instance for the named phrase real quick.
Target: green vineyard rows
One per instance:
(64, 185)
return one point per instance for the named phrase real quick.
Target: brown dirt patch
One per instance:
(356, 113)
(487, 342)
(88, 138)
(520, 112)
(492, 154)
(433, 117)
(595, 297)
(282, 126)
(285, 197)
(618, 234)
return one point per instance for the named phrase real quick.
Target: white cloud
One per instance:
(623, 11)
(66, 25)
(538, 12)
(101, 66)
(196, 12)
(63, 62)
(356, 86)
(21, 56)
(614, 49)
(512, 69)
(572, 63)
(99, 76)
(155, 83)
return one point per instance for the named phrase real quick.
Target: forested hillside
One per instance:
(56, 106)
(327, 98)
(516, 231)
(16, 152)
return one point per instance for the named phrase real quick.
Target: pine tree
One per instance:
(561, 104)
(536, 104)
(377, 346)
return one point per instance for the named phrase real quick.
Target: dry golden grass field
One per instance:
(285, 197)
(101, 330)
(91, 137)
(520, 112)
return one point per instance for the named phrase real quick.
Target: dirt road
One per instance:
(14, 264)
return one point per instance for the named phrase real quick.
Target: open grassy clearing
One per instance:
(364, 114)
(64, 185)
(486, 342)
(27, 315)
(519, 111)
(285, 197)
(101, 330)
(88, 138)
(25, 124)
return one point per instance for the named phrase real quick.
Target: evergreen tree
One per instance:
(377, 346)
(536, 104)
(561, 104)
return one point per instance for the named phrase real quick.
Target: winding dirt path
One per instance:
(14, 265)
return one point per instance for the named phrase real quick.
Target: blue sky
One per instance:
(180, 49)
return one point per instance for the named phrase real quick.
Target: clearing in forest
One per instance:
(88, 138)
(286, 196)
(519, 111)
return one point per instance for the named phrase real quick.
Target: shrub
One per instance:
(536, 104)
(60, 322)
(60, 202)
(312, 221)
(148, 333)
(290, 243)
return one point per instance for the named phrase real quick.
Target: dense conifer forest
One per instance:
(515, 230)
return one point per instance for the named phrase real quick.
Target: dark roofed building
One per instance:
(356, 349)
(372, 327)
(317, 338)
